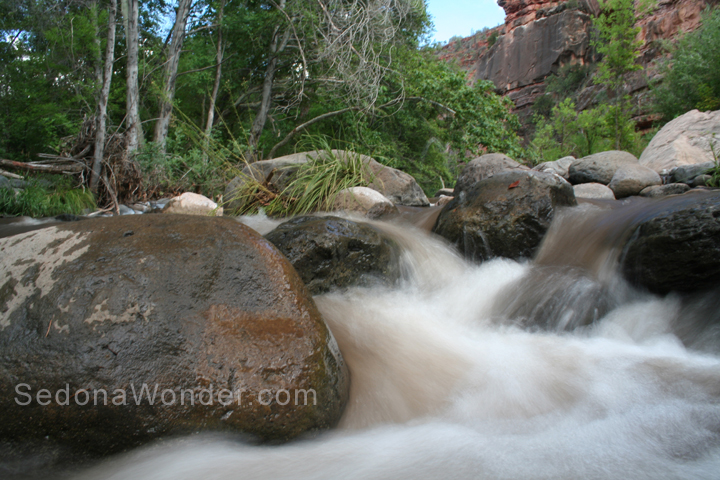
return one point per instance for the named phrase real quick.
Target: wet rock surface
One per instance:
(331, 252)
(201, 308)
(677, 248)
(657, 191)
(506, 215)
(485, 167)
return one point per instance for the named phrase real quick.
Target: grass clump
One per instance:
(45, 199)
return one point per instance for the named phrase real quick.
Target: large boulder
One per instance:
(200, 313)
(593, 190)
(484, 167)
(506, 215)
(398, 186)
(192, 204)
(631, 179)
(688, 173)
(364, 201)
(678, 247)
(331, 252)
(687, 140)
(599, 167)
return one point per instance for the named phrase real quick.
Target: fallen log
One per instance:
(75, 168)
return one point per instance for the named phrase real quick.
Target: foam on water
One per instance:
(446, 385)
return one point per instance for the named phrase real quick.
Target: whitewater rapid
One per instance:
(457, 373)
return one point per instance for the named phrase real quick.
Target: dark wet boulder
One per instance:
(331, 252)
(506, 215)
(202, 314)
(484, 167)
(677, 248)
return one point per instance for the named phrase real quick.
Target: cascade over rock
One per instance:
(203, 309)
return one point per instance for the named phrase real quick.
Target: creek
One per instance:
(550, 369)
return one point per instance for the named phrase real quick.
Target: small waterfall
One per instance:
(555, 369)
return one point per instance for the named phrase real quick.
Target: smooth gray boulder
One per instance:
(560, 167)
(593, 190)
(657, 191)
(687, 173)
(631, 178)
(687, 140)
(484, 167)
(599, 167)
(363, 201)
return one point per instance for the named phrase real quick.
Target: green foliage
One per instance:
(618, 45)
(567, 132)
(493, 38)
(568, 79)
(38, 200)
(692, 78)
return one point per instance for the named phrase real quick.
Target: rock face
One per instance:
(506, 215)
(192, 204)
(398, 186)
(186, 304)
(332, 252)
(686, 140)
(365, 201)
(678, 249)
(599, 167)
(526, 54)
(593, 190)
(631, 179)
(485, 167)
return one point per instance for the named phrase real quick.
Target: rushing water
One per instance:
(555, 369)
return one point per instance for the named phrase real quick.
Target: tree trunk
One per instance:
(101, 116)
(134, 127)
(218, 76)
(261, 117)
(171, 67)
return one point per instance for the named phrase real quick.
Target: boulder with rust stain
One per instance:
(203, 308)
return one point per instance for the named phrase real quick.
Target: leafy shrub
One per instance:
(692, 77)
(39, 200)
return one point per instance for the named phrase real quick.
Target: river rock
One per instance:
(677, 248)
(485, 167)
(631, 179)
(331, 252)
(4, 182)
(365, 201)
(687, 140)
(593, 190)
(687, 173)
(599, 167)
(560, 167)
(184, 303)
(506, 215)
(657, 191)
(192, 204)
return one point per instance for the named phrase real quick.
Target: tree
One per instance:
(692, 77)
(620, 49)
(170, 73)
(132, 115)
(104, 79)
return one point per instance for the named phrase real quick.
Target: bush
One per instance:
(692, 78)
(38, 200)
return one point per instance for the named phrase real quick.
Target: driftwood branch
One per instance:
(76, 168)
(10, 175)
